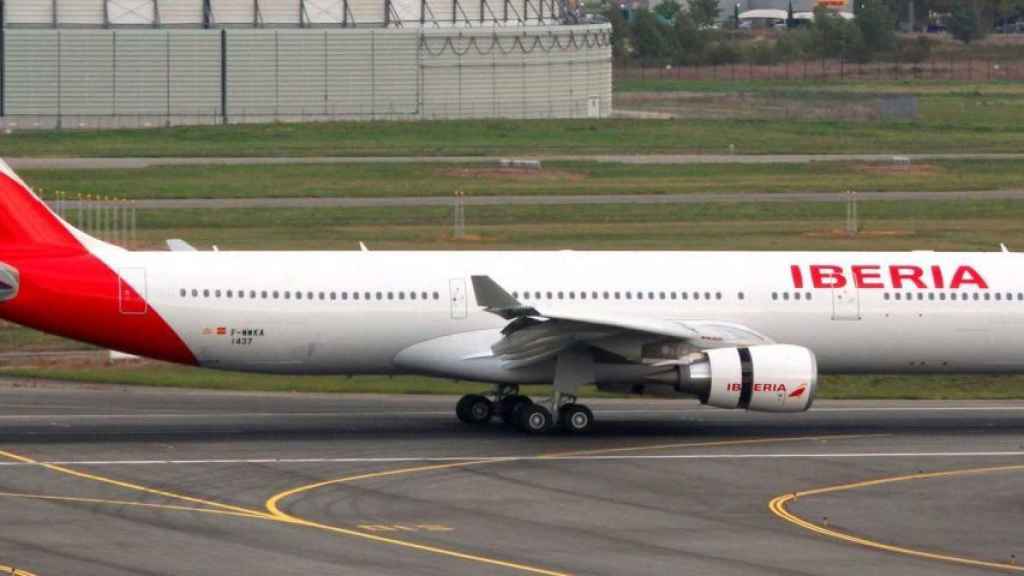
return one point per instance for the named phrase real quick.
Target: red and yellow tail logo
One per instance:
(799, 391)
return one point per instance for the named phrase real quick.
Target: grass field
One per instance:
(939, 225)
(165, 375)
(532, 137)
(813, 88)
(384, 180)
(954, 117)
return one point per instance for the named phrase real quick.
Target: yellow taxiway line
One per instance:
(80, 500)
(278, 516)
(778, 507)
(273, 511)
(9, 571)
(273, 504)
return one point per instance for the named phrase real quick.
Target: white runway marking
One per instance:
(446, 413)
(581, 458)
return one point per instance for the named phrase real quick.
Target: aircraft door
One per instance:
(131, 291)
(845, 303)
(457, 294)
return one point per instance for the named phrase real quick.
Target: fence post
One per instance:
(224, 75)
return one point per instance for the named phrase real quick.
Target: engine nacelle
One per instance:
(769, 378)
(9, 282)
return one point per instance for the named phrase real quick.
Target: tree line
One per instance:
(695, 34)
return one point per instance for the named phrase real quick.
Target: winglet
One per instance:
(493, 298)
(179, 245)
(491, 295)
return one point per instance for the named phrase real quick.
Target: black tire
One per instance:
(510, 405)
(575, 419)
(474, 409)
(535, 419)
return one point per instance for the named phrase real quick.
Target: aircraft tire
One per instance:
(509, 406)
(474, 409)
(575, 418)
(535, 419)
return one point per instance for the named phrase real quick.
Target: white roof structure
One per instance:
(809, 16)
(764, 14)
(281, 13)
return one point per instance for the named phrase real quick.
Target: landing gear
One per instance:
(560, 411)
(474, 409)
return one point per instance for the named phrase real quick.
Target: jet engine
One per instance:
(769, 378)
(9, 282)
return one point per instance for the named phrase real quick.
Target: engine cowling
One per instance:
(769, 378)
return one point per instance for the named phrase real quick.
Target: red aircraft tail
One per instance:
(50, 280)
(26, 223)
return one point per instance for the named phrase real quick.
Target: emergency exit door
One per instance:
(457, 295)
(845, 303)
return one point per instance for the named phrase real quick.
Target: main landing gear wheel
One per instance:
(509, 407)
(474, 409)
(535, 419)
(575, 418)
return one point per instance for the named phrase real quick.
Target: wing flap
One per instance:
(538, 333)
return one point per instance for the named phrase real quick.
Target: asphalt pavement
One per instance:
(98, 479)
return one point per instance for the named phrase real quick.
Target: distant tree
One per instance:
(790, 20)
(831, 36)
(651, 40)
(877, 25)
(964, 22)
(668, 9)
(620, 30)
(689, 40)
(703, 12)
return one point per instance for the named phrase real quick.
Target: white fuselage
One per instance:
(359, 311)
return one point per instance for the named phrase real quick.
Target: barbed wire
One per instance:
(573, 40)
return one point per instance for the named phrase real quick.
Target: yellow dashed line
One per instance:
(778, 507)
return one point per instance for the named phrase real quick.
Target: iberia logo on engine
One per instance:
(758, 387)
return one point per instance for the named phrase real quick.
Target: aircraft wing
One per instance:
(537, 333)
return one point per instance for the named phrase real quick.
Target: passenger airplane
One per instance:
(744, 330)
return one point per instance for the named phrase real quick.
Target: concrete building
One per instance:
(125, 63)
